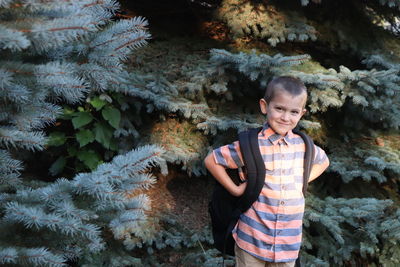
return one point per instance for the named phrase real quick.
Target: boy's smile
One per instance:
(284, 111)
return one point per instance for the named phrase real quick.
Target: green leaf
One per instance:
(84, 137)
(97, 103)
(103, 133)
(58, 166)
(113, 145)
(56, 139)
(82, 119)
(67, 113)
(72, 151)
(120, 98)
(112, 115)
(90, 158)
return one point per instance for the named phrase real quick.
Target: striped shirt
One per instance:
(271, 228)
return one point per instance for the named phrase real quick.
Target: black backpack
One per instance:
(225, 209)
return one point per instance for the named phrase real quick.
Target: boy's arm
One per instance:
(220, 174)
(321, 162)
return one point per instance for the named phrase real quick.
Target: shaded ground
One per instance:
(185, 198)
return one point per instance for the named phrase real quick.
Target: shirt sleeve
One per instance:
(320, 156)
(229, 156)
(320, 163)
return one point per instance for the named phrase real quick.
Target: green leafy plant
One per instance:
(83, 136)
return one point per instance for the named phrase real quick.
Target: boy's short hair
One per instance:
(292, 85)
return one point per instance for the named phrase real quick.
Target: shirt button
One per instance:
(279, 232)
(282, 156)
(283, 187)
(282, 202)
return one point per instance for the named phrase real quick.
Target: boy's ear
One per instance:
(263, 106)
(304, 111)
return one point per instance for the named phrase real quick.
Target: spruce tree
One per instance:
(346, 52)
(52, 53)
(193, 94)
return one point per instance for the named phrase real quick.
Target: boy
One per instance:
(269, 233)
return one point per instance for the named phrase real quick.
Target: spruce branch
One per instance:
(10, 137)
(29, 256)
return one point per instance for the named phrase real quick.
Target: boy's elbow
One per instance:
(208, 160)
(326, 163)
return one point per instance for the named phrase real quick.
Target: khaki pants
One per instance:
(244, 259)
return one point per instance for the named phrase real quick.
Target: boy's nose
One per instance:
(285, 116)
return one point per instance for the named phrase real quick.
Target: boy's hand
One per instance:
(239, 190)
(223, 178)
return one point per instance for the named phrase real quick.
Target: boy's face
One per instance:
(284, 111)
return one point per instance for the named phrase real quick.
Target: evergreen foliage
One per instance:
(68, 216)
(57, 52)
(65, 58)
(349, 107)
(340, 227)
(265, 22)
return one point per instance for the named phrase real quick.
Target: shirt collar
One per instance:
(274, 137)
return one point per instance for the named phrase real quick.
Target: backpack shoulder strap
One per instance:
(308, 157)
(255, 167)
